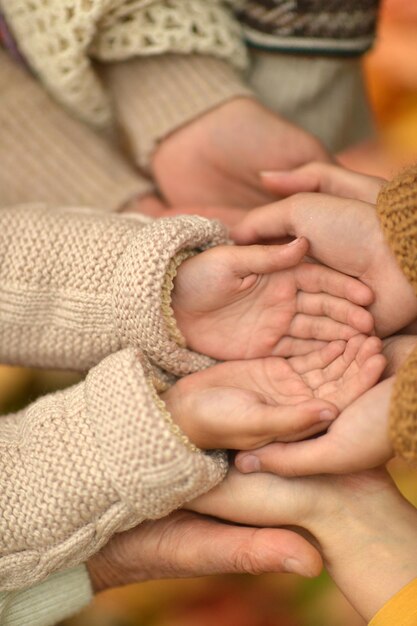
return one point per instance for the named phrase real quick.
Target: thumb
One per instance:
(228, 549)
(261, 259)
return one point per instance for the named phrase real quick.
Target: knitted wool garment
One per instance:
(331, 27)
(397, 210)
(59, 40)
(77, 285)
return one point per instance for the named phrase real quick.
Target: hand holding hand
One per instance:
(247, 404)
(217, 159)
(357, 440)
(234, 302)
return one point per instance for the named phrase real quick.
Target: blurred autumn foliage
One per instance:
(391, 72)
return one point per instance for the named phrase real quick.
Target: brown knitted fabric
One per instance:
(79, 465)
(397, 211)
(48, 156)
(77, 285)
(326, 26)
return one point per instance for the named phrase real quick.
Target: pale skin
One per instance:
(370, 557)
(215, 160)
(265, 302)
(344, 234)
(357, 440)
(247, 404)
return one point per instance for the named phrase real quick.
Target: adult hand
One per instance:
(247, 404)
(343, 234)
(217, 158)
(234, 302)
(366, 530)
(185, 545)
(357, 440)
(324, 178)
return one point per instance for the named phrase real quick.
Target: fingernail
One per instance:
(294, 566)
(294, 241)
(248, 464)
(327, 415)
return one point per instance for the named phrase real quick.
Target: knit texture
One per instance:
(48, 156)
(321, 26)
(77, 285)
(57, 598)
(397, 211)
(59, 41)
(156, 95)
(79, 465)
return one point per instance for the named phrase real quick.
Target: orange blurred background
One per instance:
(279, 600)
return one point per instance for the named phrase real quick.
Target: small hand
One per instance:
(216, 159)
(247, 404)
(343, 234)
(326, 178)
(357, 440)
(186, 545)
(234, 302)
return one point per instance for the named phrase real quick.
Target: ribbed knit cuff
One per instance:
(48, 156)
(138, 305)
(403, 411)
(151, 464)
(154, 96)
(57, 598)
(397, 211)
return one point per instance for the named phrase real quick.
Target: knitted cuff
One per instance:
(48, 156)
(403, 412)
(397, 211)
(137, 304)
(156, 95)
(119, 458)
(57, 598)
(150, 462)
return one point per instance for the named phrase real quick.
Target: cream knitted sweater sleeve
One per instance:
(79, 465)
(60, 39)
(77, 285)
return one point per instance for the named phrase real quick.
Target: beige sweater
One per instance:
(79, 465)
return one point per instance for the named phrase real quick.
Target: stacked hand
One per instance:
(235, 302)
(246, 404)
(344, 234)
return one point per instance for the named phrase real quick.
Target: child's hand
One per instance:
(247, 404)
(346, 235)
(241, 302)
(397, 350)
(357, 440)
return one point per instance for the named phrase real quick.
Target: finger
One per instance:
(366, 377)
(322, 328)
(267, 259)
(212, 547)
(313, 278)
(283, 423)
(265, 223)
(290, 346)
(336, 308)
(302, 458)
(325, 178)
(319, 358)
(358, 350)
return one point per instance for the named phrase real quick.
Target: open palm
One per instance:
(253, 301)
(247, 404)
